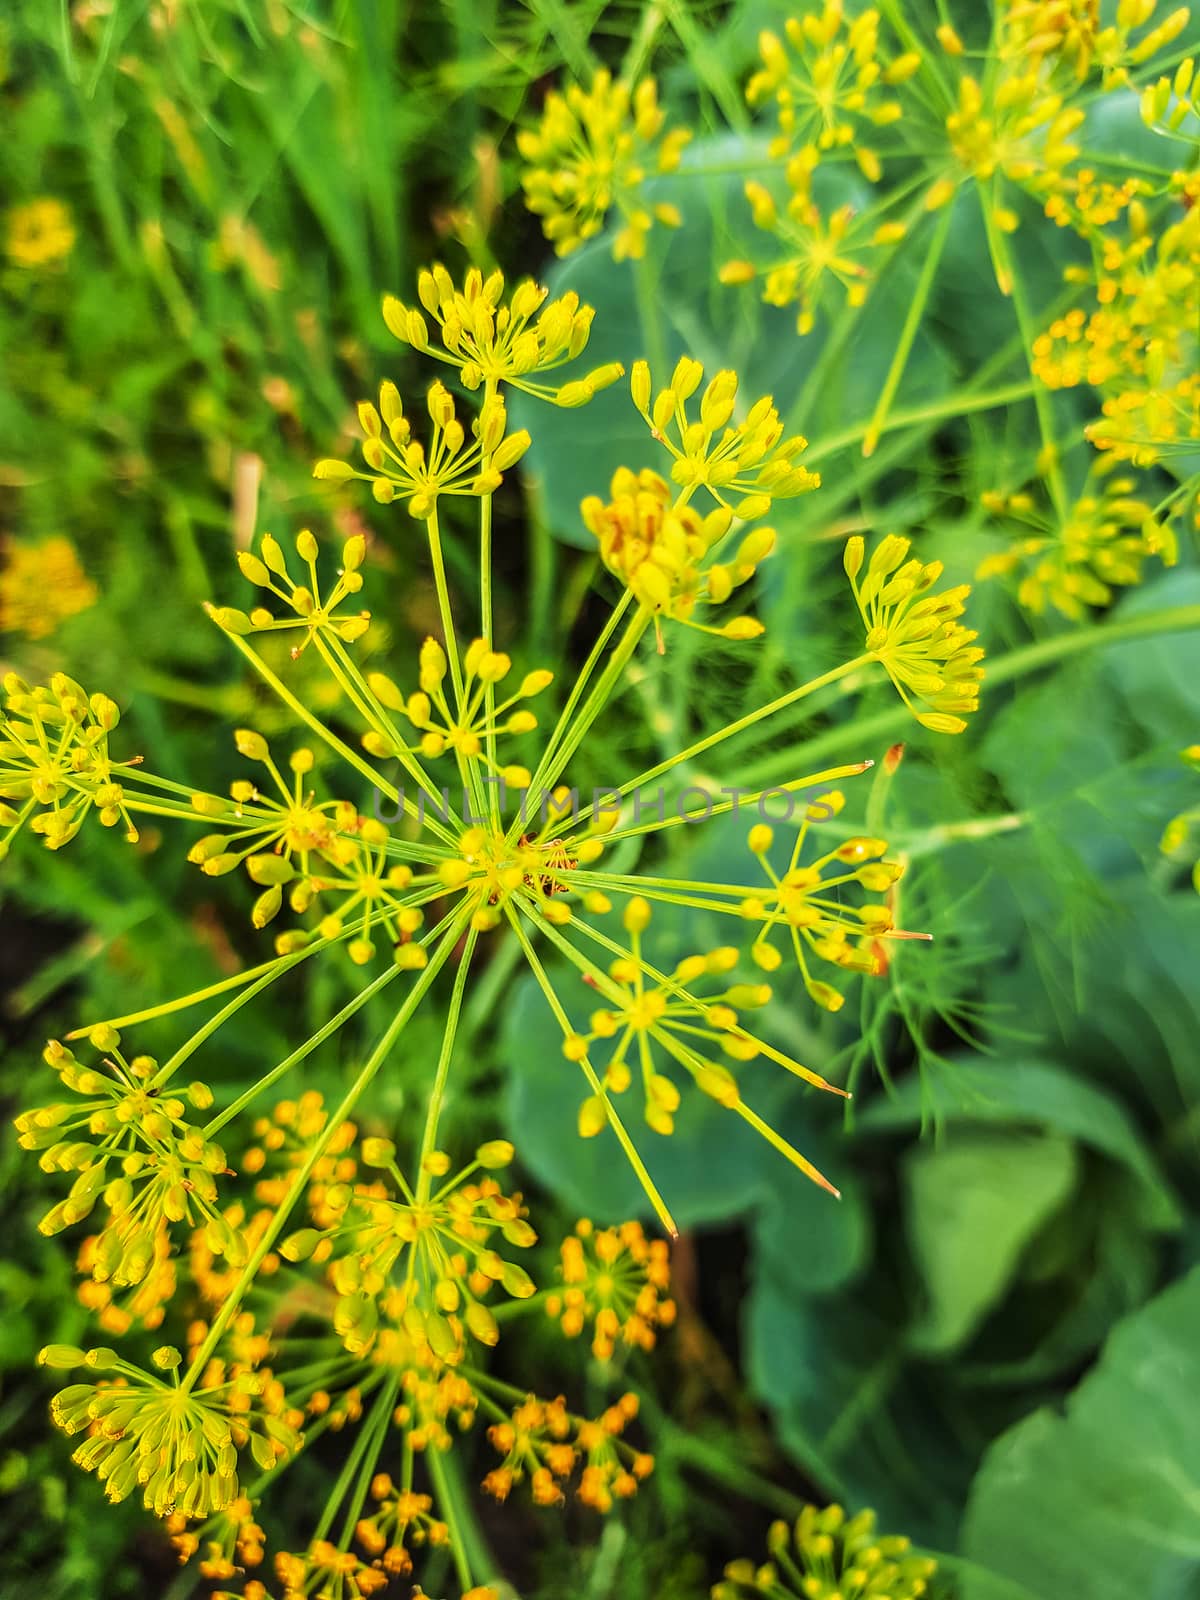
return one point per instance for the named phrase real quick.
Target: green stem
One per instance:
(450, 1504)
(171, 1067)
(300, 1053)
(1043, 400)
(916, 310)
(748, 721)
(277, 965)
(375, 1431)
(957, 405)
(577, 691)
(598, 697)
(437, 1094)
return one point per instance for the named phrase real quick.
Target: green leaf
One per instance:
(974, 1204)
(1103, 1501)
(1006, 1091)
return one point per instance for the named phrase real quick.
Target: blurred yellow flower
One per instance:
(39, 233)
(41, 585)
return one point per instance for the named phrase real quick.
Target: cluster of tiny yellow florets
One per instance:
(808, 903)
(38, 234)
(615, 1281)
(826, 1555)
(491, 340)
(127, 1140)
(744, 465)
(55, 765)
(1102, 544)
(915, 634)
(660, 551)
(177, 1444)
(831, 82)
(542, 1441)
(1138, 347)
(423, 1263)
(41, 585)
(592, 151)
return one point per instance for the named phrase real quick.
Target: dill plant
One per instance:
(407, 1256)
(414, 1248)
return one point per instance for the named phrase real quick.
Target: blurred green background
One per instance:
(241, 183)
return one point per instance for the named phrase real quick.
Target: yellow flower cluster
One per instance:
(492, 341)
(41, 585)
(593, 150)
(130, 1144)
(915, 633)
(543, 1441)
(808, 901)
(1172, 104)
(833, 83)
(401, 1519)
(179, 1445)
(615, 1281)
(1139, 346)
(666, 1014)
(822, 250)
(829, 1556)
(750, 461)
(1102, 544)
(314, 615)
(424, 1264)
(40, 233)
(55, 761)
(658, 549)
(456, 463)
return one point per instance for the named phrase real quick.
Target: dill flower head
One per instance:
(40, 233)
(748, 461)
(831, 82)
(326, 1569)
(401, 1269)
(828, 1556)
(808, 903)
(651, 1015)
(41, 585)
(426, 1263)
(176, 1443)
(55, 762)
(119, 1307)
(314, 614)
(661, 551)
(457, 462)
(543, 1442)
(824, 249)
(615, 1281)
(915, 634)
(492, 341)
(1103, 544)
(593, 150)
(1139, 345)
(400, 1521)
(128, 1141)
(1172, 104)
